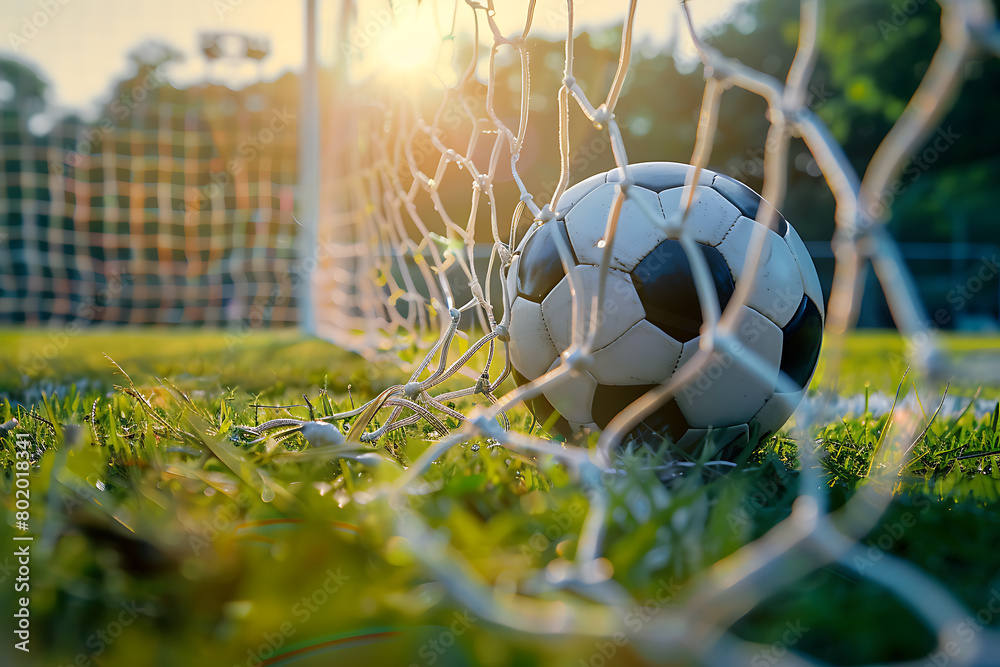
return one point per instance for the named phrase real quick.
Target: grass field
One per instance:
(160, 539)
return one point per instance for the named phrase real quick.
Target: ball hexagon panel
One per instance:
(635, 233)
(658, 176)
(620, 311)
(642, 355)
(810, 279)
(747, 201)
(665, 285)
(580, 190)
(531, 349)
(725, 392)
(541, 267)
(777, 288)
(776, 411)
(803, 336)
(543, 410)
(572, 395)
(709, 216)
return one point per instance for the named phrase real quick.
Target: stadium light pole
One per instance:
(309, 166)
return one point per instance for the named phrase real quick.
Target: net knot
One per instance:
(411, 389)
(795, 116)
(545, 214)
(601, 116)
(483, 383)
(455, 314)
(503, 334)
(505, 254)
(577, 360)
(569, 81)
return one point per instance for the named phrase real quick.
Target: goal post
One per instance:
(310, 165)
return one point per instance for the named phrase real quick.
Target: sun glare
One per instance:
(406, 44)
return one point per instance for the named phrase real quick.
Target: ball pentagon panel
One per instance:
(665, 285)
(659, 176)
(610, 400)
(537, 277)
(802, 336)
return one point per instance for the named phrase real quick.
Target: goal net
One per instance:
(174, 207)
(430, 179)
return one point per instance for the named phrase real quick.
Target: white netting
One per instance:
(396, 248)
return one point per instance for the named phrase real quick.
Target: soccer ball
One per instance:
(651, 318)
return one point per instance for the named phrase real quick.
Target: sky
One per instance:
(81, 46)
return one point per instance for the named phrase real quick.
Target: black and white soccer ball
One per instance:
(651, 318)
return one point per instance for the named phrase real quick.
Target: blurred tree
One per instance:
(22, 93)
(872, 58)
(149, 61)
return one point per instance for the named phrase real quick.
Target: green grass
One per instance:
(151, 520)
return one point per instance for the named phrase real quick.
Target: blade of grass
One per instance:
(876, 451)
